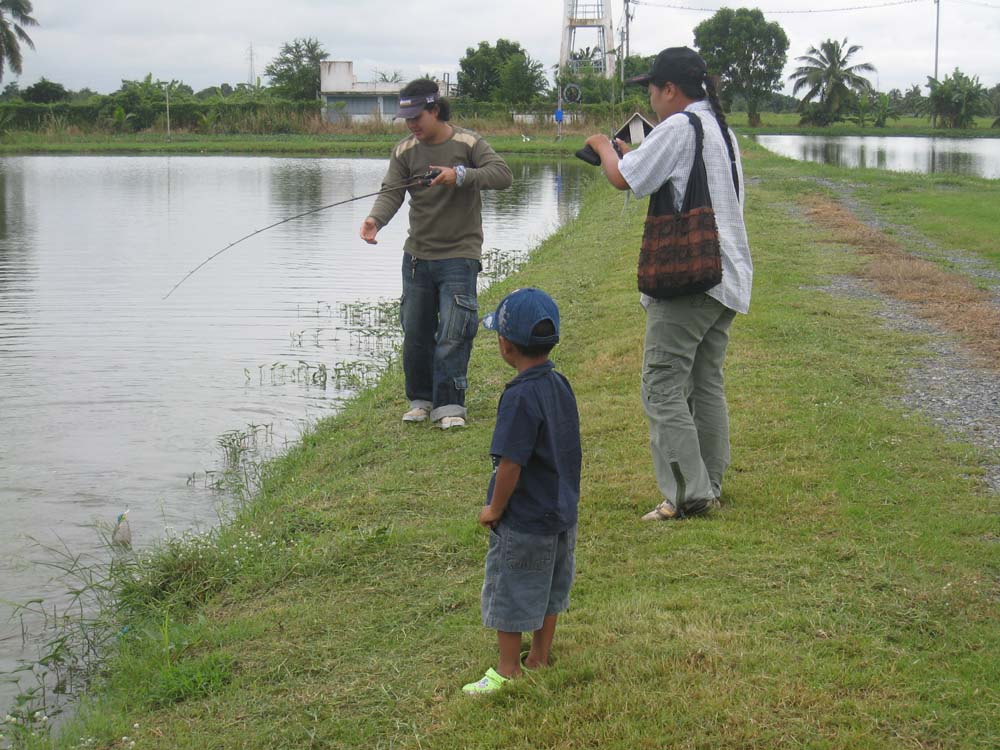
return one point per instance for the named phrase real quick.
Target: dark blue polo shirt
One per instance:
(538, 428)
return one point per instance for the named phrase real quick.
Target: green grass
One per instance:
(955, 212)
(845, 597)
(348, 144)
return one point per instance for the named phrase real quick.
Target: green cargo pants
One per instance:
(684, 397)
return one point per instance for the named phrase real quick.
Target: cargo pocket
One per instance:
(660, 373)
(464, 320)
(532, 552)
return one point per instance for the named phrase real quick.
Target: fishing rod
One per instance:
(421, 180)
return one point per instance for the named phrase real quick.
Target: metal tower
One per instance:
(594, 15)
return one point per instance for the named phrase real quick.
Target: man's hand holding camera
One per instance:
(610, 152)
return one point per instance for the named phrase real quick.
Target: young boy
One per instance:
(532, 499)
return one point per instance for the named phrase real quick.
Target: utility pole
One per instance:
(559, 109)
(621, 65)
(937, 33)
(167, 89)
(626, 39)
(626, 29)
(252, 82)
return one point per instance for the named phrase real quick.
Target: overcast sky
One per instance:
(97, 43)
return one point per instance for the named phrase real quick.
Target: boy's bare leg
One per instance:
(510, 654)
(541, 644)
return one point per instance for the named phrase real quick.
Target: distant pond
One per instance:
(979, 157)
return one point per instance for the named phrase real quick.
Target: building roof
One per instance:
(337, 77)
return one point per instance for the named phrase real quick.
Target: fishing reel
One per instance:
(427, 177)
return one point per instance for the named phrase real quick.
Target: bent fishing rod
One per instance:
(421, 180)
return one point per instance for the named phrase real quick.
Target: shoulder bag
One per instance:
(680, 252)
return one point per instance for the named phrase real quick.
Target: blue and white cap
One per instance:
(519, 312)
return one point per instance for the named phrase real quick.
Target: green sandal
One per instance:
(490, 683)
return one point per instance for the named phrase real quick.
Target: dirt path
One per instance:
(958, 384)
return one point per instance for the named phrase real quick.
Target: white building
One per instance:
(345, 97)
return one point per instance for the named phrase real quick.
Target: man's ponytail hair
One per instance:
(698, 86)
(702, 86)
(425, 87)
(712, 85)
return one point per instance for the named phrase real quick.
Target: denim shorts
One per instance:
(528, 576)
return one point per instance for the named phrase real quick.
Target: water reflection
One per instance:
(951, 162)
(16, 239)
(966, 156)
(300, 185)
(18, 278)
(3, 204)
(113, 398)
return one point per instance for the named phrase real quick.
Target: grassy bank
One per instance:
(776, 123)
(345, 144)
(845, 596)
(371, 140)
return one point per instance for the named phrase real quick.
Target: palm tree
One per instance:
(587, 57)
(827, 77)
(14, 16)
(587, 54)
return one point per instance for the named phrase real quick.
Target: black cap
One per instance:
(677, 65)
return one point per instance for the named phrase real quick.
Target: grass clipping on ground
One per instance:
(845, 596)
(950, 300)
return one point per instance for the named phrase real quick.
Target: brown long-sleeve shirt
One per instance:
(446, 221)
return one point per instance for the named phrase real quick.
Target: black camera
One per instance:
(634, 131)
(590, 156)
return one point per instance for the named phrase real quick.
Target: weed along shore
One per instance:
(845, 596)
(348, 144)
(376, 141)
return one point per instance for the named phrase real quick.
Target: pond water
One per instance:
(113, 398)
(979, 157)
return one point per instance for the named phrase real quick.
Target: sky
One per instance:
(98, 43)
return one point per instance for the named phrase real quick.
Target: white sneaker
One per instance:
(446, 423)
(416, 414)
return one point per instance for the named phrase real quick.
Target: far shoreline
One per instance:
(376, 140)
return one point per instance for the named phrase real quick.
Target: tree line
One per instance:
(749, 55)
(287, 105)
(746, 51)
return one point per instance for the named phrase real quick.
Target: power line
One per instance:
(784, 12)
(964, 2)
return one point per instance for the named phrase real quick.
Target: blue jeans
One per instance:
(440, 316)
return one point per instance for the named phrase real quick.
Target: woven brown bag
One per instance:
(680, 252)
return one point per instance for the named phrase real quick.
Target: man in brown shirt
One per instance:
(441, 258)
